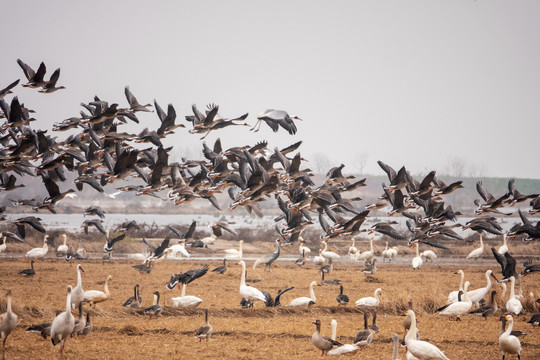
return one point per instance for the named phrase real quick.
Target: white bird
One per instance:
(343, 349)
(209, 240)
(478, 294)
(420, 349)
(63, 324)
(303, 248)
(3, 245)
(367, 255)
(513, 305)
(328, 254)
(428, 255)
(77, 294)
(38, 253)
(370, 301)
(301, 301)
(8, 323)
(453, 295)
(509, 344)
(185, 301)
(476, 253)
(387, 253)
(417, 260)
(504, 247)
(175, 250)
(353, 251)
(96, 296)
(319, 260)
(63, 249)
(235, 253)
(249, 292)
(457, 308)
(393, 251)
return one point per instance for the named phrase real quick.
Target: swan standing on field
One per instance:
(458, 308)
(509, 344)
(504, 247)
(62, 325)
(303, 248)
(428, 255)
(38, 253)
(367, 255)
(185, 301)
(235, 253)
(301, 301)
(77, 294)
(96, 296)
(249, 292)
(63, 249)
(513, 305)
(420, 349)
(353, 251)
(343, 349)
(8, 323)
(329, 254)
(417, 260)
(319, 260)
(478, 294)
(453, 296)
(476, 253)
(386, 253)
(370, 301)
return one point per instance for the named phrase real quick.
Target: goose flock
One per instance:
(97, 155)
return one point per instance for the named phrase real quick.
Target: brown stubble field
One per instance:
(277, 333)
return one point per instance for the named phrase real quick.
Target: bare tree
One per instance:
(456, 166)
(321, 163)
(360, 161)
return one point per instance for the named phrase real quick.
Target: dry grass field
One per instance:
(270, 333)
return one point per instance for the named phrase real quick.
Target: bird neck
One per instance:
(334, 330)
(411, 334)
(312, 293)
(65, 239)
(366, 315)
(481, 242)
(106, 288)
(417, 251)
(79, 277)
(9, 304)
(462, 278)
(243, 276)
(206, 317)
(395, 350)
(488, 279)
(371, 244)
(68, 302)
(512, 285)
(510, 326)
(183, 290)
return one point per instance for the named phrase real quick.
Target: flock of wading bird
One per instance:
(99, 154)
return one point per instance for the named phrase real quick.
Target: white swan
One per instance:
(478, 294)
(249, 292)
(393, 251)
(235, 253)
(8, 323)
(353, 251)
(175, 250)
(367, 255)
(386, 253)
(457, 308)
(476, 253)
(343, 349)
(185, 301)
(453, 296)
(417, 260)
(418, 348)
(504, 247)
(3, 245)
(209, 240)
(301, 301)
(63, 249)
(428, 255)
(303, 248)
(513, 305)
(37, 253)
(63, 324)
(77, 294)
(370, 301)
(96, 296)
(509, 344)
(329, 254)
(319, 260)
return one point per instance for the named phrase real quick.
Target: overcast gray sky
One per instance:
(413, 83)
